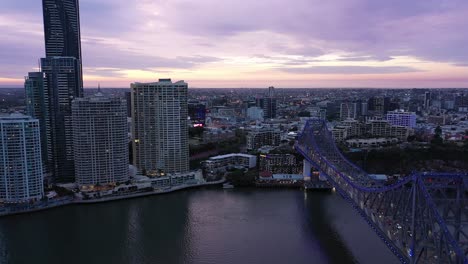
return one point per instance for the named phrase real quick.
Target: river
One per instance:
(207, 226)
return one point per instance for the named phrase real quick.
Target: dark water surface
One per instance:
(208, 226)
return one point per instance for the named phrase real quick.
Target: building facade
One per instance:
(222, 162)
(160, 127)
(257, 138)
(36, 104)
(402, 118)
(21, 176)
(268, 104)
(62, 32)
(60, 89)
(100, 140)
(270, 164)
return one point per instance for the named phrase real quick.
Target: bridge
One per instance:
(422, 218)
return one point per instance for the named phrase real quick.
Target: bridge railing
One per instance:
(403, 214)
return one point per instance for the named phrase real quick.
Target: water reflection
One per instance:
(208, 226)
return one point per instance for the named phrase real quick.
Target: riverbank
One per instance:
(31, 208)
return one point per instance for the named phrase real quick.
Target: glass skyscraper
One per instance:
(60, 88)
(62, 31)
(35, 104)
(49, 94)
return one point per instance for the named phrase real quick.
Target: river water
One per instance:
(207, 226)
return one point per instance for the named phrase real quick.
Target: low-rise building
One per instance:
(371, 142)
(279, 163)
(223, 162)
(260, 137)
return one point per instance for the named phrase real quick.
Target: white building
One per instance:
(100, 139)
(21, 176)
(160, 127)
(402, 118)
(234, 159)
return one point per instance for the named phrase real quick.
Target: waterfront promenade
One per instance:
(69, 200)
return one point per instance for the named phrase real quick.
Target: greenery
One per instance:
(196, 131)
(239, 178)
(304, 114)
(435, 157)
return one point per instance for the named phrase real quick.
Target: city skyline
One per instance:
(236, 44)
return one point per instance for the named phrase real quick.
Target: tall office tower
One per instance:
(160, 127)
(427, 100)
(35, 104)
(60, 88)
(21, 176)
(100, 140)
(62, 31)
(268, 103)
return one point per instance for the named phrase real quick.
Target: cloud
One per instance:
(349, 70)
(185, 34)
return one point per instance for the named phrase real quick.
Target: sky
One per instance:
(253, 44)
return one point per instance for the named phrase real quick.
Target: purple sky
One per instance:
(244, 43)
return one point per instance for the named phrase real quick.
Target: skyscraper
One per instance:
(427, 100)
(21, 176)
(268, 103)
(160, 127)
(35, 104)
(60, 88)
(100, 140)
(62, 31)
(62, 82)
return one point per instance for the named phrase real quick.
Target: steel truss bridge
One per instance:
(422, 218)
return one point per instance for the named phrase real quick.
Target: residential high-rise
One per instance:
(100, 140)
(160, 127)
(60, 88)
(35, 104)
(21, 176)
(62, 31)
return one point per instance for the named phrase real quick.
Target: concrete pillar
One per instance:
(322, 176)
(306, 170)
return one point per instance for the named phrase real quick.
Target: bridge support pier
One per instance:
(306, 170)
